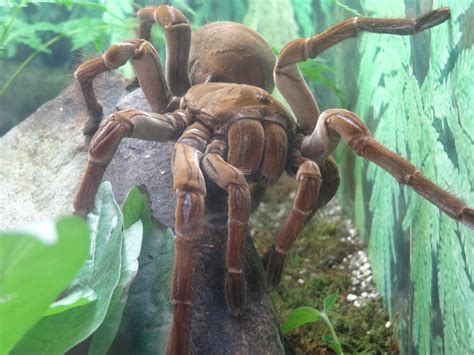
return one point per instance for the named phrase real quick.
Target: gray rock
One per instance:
(43, 157)
(41, 163)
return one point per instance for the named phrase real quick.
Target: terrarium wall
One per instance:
(416, 94)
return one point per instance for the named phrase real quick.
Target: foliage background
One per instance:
(414, 93)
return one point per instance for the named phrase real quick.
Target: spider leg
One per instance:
(309, 177)
(147, 64)
(246, 143)
(338, 123)
(291, 83)
(275, 151)
(178, 41)
(126, 123)
(233, 181)
(190, 190)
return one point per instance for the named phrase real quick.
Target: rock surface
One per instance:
(42, 161)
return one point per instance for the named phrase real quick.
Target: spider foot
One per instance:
(467, 217)
(432, 18)
(274, 261)
(236, 292)
(90, 127)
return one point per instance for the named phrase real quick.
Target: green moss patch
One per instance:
(317, 267)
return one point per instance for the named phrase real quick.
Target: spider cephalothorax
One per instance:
(231, 132)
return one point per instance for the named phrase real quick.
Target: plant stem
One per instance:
(26, 62)
(12, 18)
(347, 8)
(325, 317)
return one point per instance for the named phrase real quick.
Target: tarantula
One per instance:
(215, 102)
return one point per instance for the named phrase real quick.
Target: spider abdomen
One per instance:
(233, 53)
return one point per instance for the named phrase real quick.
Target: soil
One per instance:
(327, 258)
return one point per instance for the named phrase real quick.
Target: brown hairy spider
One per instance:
(215, 102)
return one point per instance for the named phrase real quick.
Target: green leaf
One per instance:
(36, 265)
(313, 70)
(136, 208)
(27, 34)
(59, 332)
(332, 343)
(299, 317)
(76, 299)
(83, 31)
(148, 312)
(330, 301)
(104, 335)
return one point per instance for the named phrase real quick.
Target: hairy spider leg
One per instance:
(190, 189)
(178, 41)
(233, 181)
(309, 178)
(275, 152)
(127, 123)
(147, 64)
(291, 83)
(338, 123)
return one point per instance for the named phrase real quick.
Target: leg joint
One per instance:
(118, 54)
(308, 170)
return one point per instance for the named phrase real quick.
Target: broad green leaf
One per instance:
(76, 299)
(36, 265)
(59, 332)
(136, 208)
(299, 317)
(104, 335)
(148, 312)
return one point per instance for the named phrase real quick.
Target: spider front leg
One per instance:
(147, 65)
(190, 190)
(309, 177)
(291, 83)
(127, 123)
(338, 123)
(178, 41)
(233, 181)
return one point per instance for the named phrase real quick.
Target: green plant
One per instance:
(416, 96)
(87, 22)
(38, 263)
(305, 315)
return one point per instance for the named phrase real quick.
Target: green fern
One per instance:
(303, 12)
(417, 122)
(273, 19)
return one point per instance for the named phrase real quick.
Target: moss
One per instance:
(314, 270)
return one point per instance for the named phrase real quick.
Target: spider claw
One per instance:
(274, 268)
(236, 293)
